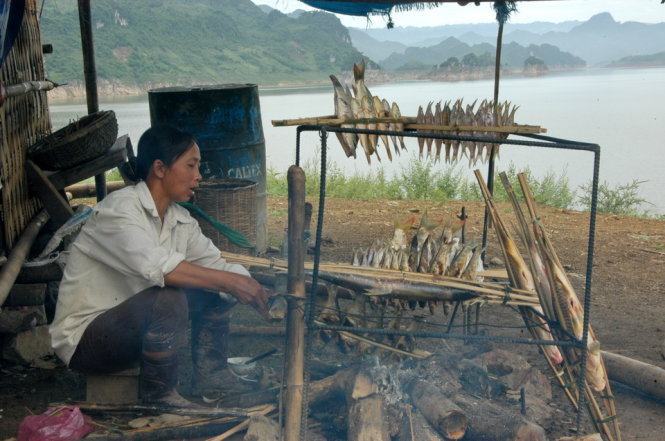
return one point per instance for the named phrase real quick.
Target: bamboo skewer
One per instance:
(242, 426)
(442, 281)
(608, 399)
(420, 355)
(409, 123)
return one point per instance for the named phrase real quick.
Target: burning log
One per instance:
(489, 422)
(368, 421)
(442, 414)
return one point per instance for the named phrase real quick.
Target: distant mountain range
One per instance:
(513, 55)
(152, 42)
(650, 60)
(598, 41)
(427, 36)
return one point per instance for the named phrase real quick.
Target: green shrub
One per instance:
(619, 199)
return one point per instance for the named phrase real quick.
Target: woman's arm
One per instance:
(247, 290)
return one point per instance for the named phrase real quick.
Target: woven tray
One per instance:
(76, 143)
(233, 202)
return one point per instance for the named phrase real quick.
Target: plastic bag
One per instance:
(65, 423)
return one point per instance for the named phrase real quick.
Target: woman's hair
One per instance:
(161, 142)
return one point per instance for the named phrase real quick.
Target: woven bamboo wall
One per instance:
(22, 120)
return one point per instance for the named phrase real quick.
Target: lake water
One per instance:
(621, 110)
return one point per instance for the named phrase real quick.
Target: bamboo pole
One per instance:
(295, 319)
(409, 123)
(89, 190)
(9, 271)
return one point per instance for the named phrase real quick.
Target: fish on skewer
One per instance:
(380, 113)
(348, 141)
(391, 126)
(359, 88)
(420, 119)
(475, 266)
(364, 139)
(438, 119)
(445, 121)
(456, 120)
(429, 119)
(400, 234)
(395, 113)
(368, 112)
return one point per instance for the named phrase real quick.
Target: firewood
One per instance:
(490, 422)
(367, 420)
(642, 376)
(593, 437)
(442, 414)
(10, 269)
(339, 384)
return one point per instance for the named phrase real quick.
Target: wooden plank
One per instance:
(56, 205)
(114, 157)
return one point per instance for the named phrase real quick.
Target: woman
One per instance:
(137, 270)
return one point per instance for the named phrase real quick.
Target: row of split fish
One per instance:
(362, 104)
(358, 102)
(458, 114)
(435, 248)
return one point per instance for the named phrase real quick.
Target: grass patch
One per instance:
(420, 180)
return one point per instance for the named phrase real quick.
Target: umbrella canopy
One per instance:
(367, 7)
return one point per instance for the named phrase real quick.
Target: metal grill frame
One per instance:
(538, 141)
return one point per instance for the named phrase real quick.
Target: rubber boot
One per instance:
(159, 361)
(211, 377)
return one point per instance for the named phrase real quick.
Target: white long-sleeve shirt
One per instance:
(123, 249)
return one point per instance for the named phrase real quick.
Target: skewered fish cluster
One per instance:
(460, 115)
(362, 104)
(435, 248)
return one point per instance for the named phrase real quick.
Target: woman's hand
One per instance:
(244, 288)
(249, 292)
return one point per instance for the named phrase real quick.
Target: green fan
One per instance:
(235, 237)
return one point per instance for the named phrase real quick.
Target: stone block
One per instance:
(28, 346)
(120, 387)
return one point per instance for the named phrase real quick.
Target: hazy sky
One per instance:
(648, 11)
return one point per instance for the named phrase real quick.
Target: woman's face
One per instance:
(182, 176)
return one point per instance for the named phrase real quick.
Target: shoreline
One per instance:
(116, 90)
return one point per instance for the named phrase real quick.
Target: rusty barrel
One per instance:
(226, 121)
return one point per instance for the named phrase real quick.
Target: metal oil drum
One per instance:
(226, 121)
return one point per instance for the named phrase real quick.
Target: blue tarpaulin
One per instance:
(351, 8)
(11, 17)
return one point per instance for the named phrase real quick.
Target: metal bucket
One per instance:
(226, 121)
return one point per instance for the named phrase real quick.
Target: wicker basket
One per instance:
(79, 142)
(233, 202)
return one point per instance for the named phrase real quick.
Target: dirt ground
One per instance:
(628, 311)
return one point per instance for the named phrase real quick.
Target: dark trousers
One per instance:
(149, 327)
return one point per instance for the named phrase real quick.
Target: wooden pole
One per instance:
(644, 377)
(90, 74)
(89, 190)
(490, 166)
(9, 271)
(295, 318)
